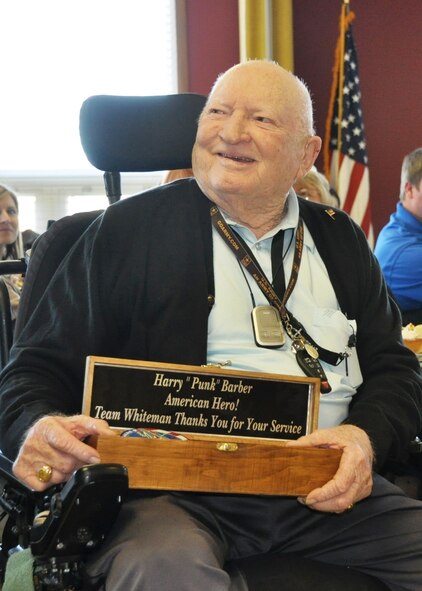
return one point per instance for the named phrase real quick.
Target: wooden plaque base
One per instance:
(207, 465)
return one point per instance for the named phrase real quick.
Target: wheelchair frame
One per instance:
(62, 525)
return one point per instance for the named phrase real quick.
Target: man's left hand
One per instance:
(353, 479)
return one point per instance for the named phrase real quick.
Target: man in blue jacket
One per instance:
(399, 244)
(154, 279)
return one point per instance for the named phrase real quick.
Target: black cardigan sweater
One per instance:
(139, 285)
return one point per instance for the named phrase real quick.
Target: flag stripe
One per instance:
(345, 133)
(355, 174)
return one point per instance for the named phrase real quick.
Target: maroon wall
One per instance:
(387, 35)
(213, 40)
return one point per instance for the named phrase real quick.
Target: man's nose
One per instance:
(235, 129)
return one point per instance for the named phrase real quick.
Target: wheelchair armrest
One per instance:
(63, 524)
(81, 514)
(76, 516)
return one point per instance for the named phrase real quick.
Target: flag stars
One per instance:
(349, 122)
(352, 130)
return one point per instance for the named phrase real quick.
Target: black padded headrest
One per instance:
(140, 133)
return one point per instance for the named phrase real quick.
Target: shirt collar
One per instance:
(289, 221)
(408, 218)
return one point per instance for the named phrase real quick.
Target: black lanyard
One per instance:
(293, 327)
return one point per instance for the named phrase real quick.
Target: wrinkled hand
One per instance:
(56, 441)
(353, 479)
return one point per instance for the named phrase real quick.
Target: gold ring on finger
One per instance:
(45, 473)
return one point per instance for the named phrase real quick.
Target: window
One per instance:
(55, 54)
(77, 203)
(27, 212)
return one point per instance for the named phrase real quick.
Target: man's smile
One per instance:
(236, 157)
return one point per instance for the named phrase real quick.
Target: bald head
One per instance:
(293, 94)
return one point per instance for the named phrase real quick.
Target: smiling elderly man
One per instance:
(173, 290)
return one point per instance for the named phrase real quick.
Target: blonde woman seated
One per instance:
(10, 242)
(315, 187)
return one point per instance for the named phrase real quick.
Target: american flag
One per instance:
(346, 159)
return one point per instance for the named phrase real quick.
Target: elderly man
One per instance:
(172, 290)
(399, 244)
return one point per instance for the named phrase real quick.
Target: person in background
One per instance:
(175, 292)
(315, 187)
(11, 246)
(399, 244)
(174, 175)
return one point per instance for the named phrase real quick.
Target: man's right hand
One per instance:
(55, 442)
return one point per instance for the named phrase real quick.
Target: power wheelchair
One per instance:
(66, 524)
(63, 526)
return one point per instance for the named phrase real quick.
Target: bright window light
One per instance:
(56, 53)
(76, 203)
(26, 212)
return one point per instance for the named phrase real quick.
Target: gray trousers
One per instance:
(181, 541)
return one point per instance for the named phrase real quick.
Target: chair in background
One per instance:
(136, 134)
(6, 324)
(7, 267)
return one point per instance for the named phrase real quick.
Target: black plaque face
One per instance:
(200, 400)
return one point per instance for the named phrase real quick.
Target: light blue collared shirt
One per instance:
(313, 302)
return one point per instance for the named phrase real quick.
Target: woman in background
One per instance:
(315, 187)
(10, 242)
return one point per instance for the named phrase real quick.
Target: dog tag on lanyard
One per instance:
(267, 327)
(312, 368)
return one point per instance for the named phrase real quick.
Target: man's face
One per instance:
(249, 144)
(413, 199)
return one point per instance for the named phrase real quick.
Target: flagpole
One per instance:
(345, 155)
(344, 11)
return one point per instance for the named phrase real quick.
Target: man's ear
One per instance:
(408, 190)
(310, 154)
